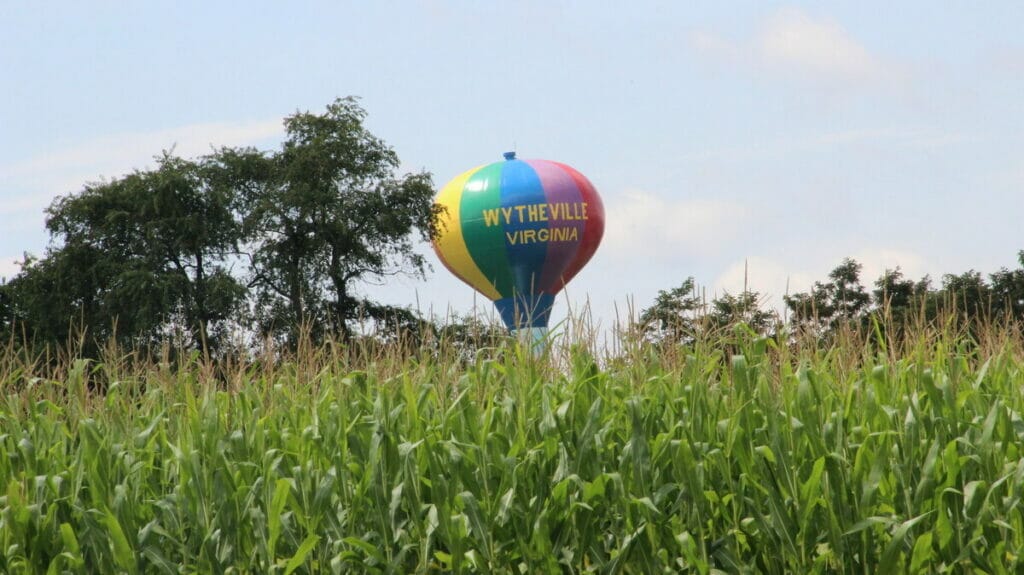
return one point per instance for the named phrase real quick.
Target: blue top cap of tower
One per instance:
(509, 155)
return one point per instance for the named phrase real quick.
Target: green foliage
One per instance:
(967, 293)
(681, 316)
(463, 338)
(746, 308)
(895, 292)
(134, 258)
(196, 248)
(6, 308)
(673, 316)
(769, 460)
(967, 298)
(323, 212)
(1007, 289)
(842, 300)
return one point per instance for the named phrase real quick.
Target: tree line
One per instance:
(273, 244)
(887, 307)
(196, 249)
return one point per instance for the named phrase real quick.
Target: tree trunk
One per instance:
(342, 302)
(202, 314)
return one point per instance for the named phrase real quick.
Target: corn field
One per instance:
(738, 455)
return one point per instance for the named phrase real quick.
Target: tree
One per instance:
(6, 308)
(157, 252)
(729, 309)
(323, 213)
(967, 294)
(895, 296)
(467, 335)
(840, 300)
(136, 257)
(893, 291)
(673, 316)
(679, 315)
(53, 297)
(1007, 288)
(849, 299)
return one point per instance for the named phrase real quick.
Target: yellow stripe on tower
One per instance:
(450, 244)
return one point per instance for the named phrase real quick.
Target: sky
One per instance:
(730, 141)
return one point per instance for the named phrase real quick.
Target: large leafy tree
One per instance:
(894, 293)
(136, 257)
(164, 250)
(1008, 291)
(897, 301)
(674, 316)
(5, 308)
(744, 307)
(681, 315)
(325, 212)
(840, 300)
(967, 295)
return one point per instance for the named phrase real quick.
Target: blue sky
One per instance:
(780, 136)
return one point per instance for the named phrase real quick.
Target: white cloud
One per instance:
(770, 278)
(33, 183)
(792, 39)
(909, 138)
(875, 261)
(794, 44)
(130, 150)
(774, 279)
(912, 139)
(643, 224)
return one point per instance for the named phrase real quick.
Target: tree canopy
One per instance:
(323, 212)
(278, 243)
(680, 314)
(142, 256)
(199, 248)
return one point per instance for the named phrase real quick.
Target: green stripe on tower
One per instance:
(483, 229)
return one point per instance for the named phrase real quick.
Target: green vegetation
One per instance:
(234, 244)
(732, 454)
(871, 432)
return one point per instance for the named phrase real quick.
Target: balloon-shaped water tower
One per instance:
(517, 231)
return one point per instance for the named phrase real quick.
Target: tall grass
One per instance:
(736, 455)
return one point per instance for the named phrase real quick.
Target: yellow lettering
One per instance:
(532, 212)
(491, 217)
(561, 211)
(543, 234)
(529, 236)
(561, 234)
(512, 237)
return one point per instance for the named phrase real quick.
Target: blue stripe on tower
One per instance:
(523, 193)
